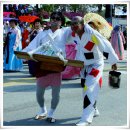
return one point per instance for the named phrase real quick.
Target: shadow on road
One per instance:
(33, 122)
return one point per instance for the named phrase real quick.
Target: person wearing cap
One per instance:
(12, 43)
(91, 46)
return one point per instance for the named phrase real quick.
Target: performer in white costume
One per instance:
(50, 42)
(90, 48)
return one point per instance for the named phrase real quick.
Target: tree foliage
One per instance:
(83, 8)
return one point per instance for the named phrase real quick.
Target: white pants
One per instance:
(93, 81)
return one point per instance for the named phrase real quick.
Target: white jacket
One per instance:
(43, 37)
(92, 46)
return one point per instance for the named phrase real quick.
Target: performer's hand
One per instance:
(27, 41)
(30, 53)
(59, 54)
(14, 48)
(114, 67)
(65, 62)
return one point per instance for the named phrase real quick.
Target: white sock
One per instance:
(50, 113)
(43, 110)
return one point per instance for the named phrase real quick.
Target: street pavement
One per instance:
(20, 106)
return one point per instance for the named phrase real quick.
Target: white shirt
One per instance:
(94, 43)
(18, 35)
(59, 41)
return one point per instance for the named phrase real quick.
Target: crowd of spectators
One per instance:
(21, 9)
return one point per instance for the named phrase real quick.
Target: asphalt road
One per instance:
(20, 106)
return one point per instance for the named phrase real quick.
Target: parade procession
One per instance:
(64, 65)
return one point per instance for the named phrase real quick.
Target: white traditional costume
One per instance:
(52, 44)
(59, 38)
(13, 42)
(90, 49)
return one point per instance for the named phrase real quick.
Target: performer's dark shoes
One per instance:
(51, 120)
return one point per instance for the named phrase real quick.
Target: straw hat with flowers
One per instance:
(98, 23)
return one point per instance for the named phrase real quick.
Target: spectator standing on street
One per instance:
(36, 29)
(25, 35)
(117, 40)
(125, 36)
(90, 48)
(12, 43)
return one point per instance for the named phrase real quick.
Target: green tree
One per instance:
(48, 7)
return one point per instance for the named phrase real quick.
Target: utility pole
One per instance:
(108, 13)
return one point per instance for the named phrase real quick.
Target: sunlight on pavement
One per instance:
(20, 81)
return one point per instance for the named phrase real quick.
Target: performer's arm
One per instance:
(106, 48)
(34, 43)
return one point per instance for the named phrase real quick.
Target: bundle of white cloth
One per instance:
(48, 49)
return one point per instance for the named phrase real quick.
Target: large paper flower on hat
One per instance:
(98, 23)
